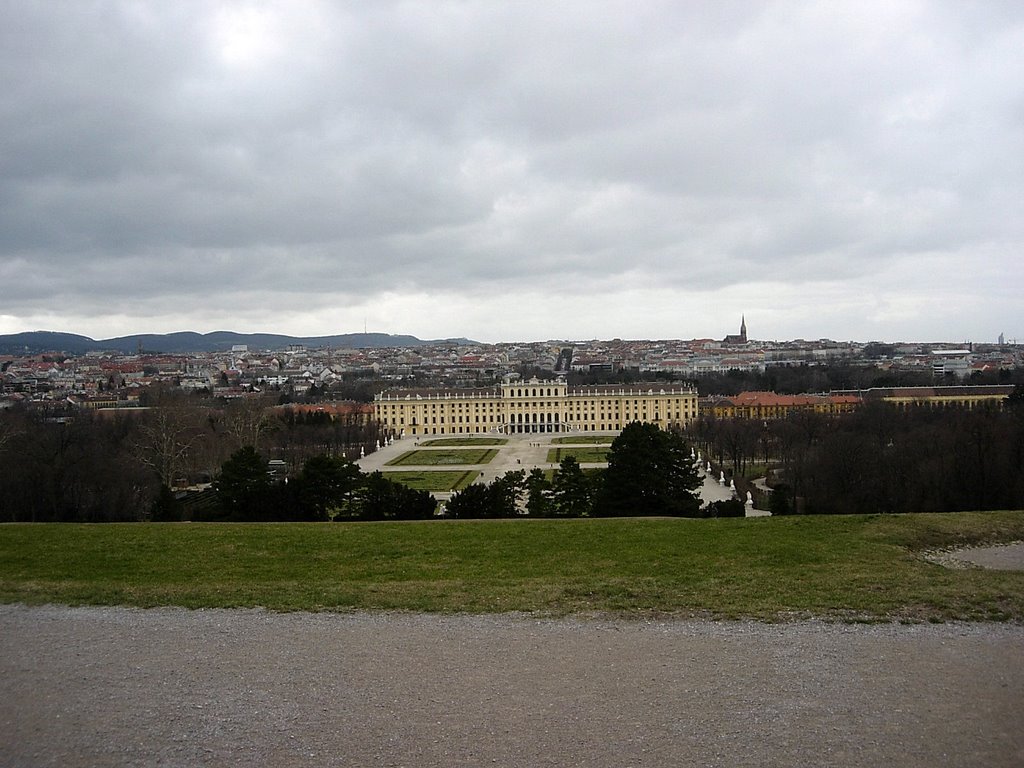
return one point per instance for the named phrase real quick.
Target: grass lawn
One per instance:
(466, 441)
(848, 568)
(429, 480)
(583, 455)
(584, 440)
(442, 456)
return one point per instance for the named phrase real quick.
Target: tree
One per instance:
(166, 508)
(649, 473)
(779, 500)
(243, 484)
(246, 421)
(726, 508)
(538, 494)
(570, 494)
(498, 499)
(383, 499)
(1015, 400)
(473, 501)
(327, 484)
(506, 492)
(167, 437)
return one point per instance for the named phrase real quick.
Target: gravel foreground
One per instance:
(171, 687)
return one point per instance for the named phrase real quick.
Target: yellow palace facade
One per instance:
(534, 407)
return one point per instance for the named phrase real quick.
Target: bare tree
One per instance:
(248, 420)
(167, 439)
(8, 430)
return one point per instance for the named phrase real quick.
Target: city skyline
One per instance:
(514, 172)
(256, 340)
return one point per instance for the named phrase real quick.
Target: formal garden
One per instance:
(464, 441)
(584, 440)
(582, 454)
(435, 481)
(443, 456)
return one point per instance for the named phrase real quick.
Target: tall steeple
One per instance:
(743, 328)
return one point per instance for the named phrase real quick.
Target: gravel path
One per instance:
(169, 687)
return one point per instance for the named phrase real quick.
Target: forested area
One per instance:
(881, 458)
(73, 465)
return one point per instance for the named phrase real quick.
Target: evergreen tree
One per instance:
(538, 494)
(650, 472)
(243, 484)
(383, 499)
(570, 490)
(326, 485)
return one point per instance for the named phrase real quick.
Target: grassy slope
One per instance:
(844, 567)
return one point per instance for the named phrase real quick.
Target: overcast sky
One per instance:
(514, 170)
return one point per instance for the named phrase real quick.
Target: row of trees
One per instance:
(798, 379)
(649, 472)
(71, 465)
(328, 488)
(879, 459)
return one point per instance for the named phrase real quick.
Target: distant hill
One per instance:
(186, 342)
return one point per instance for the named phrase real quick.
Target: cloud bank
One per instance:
(513, 171)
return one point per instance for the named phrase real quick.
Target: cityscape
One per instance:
(105, 379)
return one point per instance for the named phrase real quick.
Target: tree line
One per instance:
(65, 464)
(799, 379)
(328, 488)
(881, 458)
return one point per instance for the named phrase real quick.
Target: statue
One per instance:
(732, 485)
(750, 499)
(721, 478)
(362, 452)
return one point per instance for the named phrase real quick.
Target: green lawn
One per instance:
(847, 568)
(466, 441)
(584, 440)
(443, 456)
(583, 455)
(430, 480)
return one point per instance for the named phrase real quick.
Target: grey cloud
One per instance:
(156, 151)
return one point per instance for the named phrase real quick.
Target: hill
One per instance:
(186, 342)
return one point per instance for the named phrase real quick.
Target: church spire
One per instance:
(743, 328)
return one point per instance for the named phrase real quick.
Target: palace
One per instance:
(534, 407)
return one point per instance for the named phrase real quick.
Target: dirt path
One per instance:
(120, 687)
